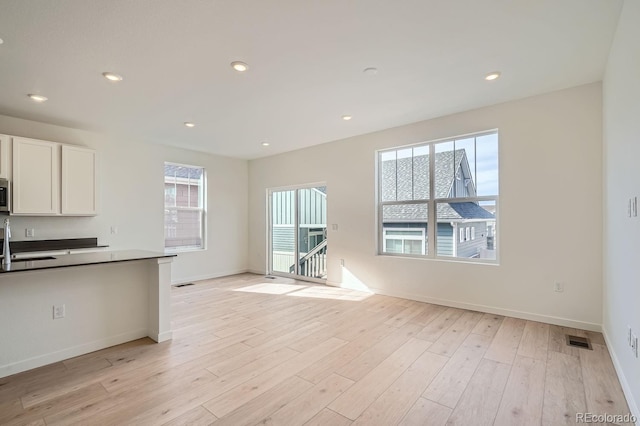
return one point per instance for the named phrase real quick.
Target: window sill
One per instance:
(183, 250)
(442, 259)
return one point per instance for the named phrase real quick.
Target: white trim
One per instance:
(61, 355)
(626, 389)
(162, 337)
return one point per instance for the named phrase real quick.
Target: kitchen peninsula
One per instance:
(72, 304)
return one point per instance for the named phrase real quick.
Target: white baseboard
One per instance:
(549, 319)
(162, 337)
(41, 360)
(256, 271)
(208, 276)
(631, 402)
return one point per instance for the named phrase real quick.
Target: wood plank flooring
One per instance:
(254, 351)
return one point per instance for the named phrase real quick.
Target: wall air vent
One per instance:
(578, 342)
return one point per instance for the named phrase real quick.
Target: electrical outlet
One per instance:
(114, 230)
(58, 311)
(29, 232)
(558, 287)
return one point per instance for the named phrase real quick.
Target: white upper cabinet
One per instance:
(51, 179)
(5, 156)
(78, 181)
(36, 177)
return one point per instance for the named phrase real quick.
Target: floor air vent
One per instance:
(183, 285)
(579, 342)
(270, 278)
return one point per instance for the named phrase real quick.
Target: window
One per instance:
(184, 201)
(439, 199)
(404, 240)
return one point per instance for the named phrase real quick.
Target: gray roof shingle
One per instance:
(172, 170)
(407, 179)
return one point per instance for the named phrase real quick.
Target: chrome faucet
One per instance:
(6, 251)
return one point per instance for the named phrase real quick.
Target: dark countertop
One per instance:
(80, 259)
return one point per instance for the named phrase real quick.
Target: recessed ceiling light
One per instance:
(492, 76)
(346, 117)
(239, 66)
(1, 41)
(37, 98)
(370, 71)
(112, 76)
(265, 143)
(189, 124)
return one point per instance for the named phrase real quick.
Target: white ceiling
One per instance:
(306, 63)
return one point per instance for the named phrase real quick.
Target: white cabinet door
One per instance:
(79, 195)
(5, 157)
(36, 177)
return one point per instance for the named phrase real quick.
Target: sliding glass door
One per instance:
(298, 232)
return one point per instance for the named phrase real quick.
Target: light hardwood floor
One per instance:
(249, 350)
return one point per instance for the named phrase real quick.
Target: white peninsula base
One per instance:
(105, 303)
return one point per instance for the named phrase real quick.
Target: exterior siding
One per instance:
(444, 240)
(283, 239)
(471, 248)
(312, 202)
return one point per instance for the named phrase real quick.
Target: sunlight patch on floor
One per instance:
(335, 293)
(271, 288)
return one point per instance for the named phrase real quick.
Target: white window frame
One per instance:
(403, 238)
(202, 209)
(432, 202)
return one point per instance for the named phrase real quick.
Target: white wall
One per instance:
(622, 181)
(132, 197)
(550, 215)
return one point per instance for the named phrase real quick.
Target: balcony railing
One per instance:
(314, 263)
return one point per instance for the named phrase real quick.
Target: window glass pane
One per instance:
(388, 176)
(421, 173)
(461, 221)
(182, 228)
(404, 174)
(393, 246)
(404, 167)
(413, 247)
(464, 162)
(445, 170)
(405, 222)
(184, 206)
(487, 164)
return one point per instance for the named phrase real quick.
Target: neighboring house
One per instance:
(464, 229)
